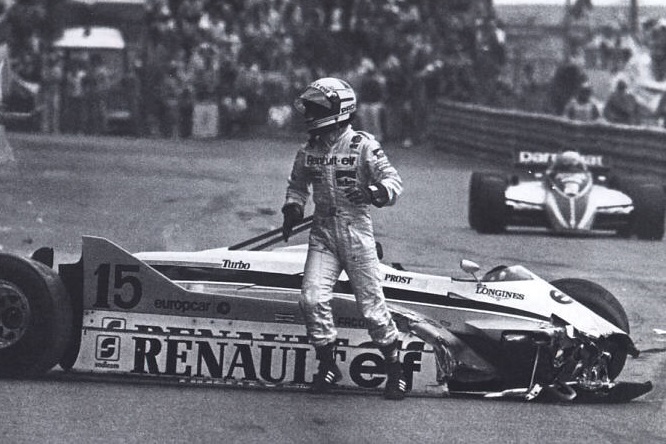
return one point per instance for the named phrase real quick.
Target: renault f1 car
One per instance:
(567, 193)
(230, 317)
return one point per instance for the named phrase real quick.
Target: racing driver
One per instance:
(347, 171)
(569, 172)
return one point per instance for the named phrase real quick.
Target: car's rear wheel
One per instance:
(603, 303)
(35, 317)
(487, 211)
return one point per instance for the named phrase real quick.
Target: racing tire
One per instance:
(649, 209)
(487, 211)
(35, 318)
(603, 303)
(649, 199)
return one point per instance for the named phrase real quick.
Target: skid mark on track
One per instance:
(266, 211)
(252, 428)
(654, 350)
(219, 203)
(245, 215)
(258, 212)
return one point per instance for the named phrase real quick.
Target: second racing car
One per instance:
(567, 193)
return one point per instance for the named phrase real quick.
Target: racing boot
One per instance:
(396, 384)
(328, 373)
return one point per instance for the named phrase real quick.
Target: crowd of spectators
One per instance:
(251, 58)
(69, 95)
(573, 97)
(240, 63)
(628, 71)
(609, 49)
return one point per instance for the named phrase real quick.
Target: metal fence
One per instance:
(494, 134)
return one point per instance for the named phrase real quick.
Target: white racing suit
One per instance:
(342, 237)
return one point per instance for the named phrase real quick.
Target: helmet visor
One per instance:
(312, 95)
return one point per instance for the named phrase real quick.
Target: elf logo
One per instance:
(326, 160)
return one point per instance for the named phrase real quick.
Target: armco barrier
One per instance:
(494, 134)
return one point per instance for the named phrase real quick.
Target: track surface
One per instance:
(156, 195)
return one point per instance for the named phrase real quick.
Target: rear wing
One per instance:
(540, 160)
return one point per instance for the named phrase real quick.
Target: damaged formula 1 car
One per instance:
(567, 193)
(230, 317)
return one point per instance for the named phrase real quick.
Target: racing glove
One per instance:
(293, 215)
(376, 195)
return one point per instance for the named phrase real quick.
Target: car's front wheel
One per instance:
(603, 303)
(35, 317)
(649, 209)
(649, 200)
(487, 211)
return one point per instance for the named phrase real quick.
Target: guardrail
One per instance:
(481, 132)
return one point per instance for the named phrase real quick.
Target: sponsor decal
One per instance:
(498, 294)
(182, 306)
(244, 356)
(119, 284)
(323, 88)
(113, 323)
(241, 355)
(378, 153)
(560, 297)
(107, 348)
(245, 353)
(345, 178)
(398, 279)
(235, 265)
(366, 369)
(221, 334)
(593, 161)
(223, 308)
(326, 160)
(348, 108)
(104, 364)
(537, 157)
(528, 157)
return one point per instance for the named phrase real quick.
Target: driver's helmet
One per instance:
(568, 162)
(325, 103)
(584, 92)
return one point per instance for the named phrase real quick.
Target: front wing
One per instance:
(530, 204)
